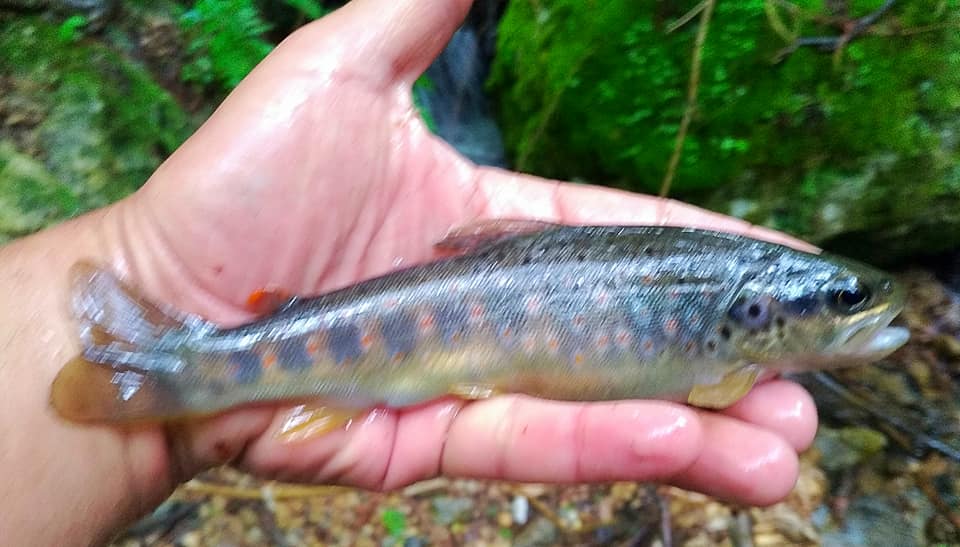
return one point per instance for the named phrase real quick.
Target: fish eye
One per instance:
(850, 299)
(752, 312)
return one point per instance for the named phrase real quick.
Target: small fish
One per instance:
(560, 312)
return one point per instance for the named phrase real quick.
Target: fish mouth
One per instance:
(871, 338)
(871, 343)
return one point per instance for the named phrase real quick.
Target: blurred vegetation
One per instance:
(856, 148)
(862, 140)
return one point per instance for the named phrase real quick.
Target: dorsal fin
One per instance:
(484, 233)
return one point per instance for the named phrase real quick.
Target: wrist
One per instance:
(66, 484)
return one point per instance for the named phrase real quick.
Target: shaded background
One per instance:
(835, 120)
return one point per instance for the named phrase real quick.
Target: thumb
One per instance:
(393, 40)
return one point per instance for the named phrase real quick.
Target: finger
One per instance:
(740, 462)
(781, 407)
(507, 194)
(512, 437)
(522, 439)
(399, 38)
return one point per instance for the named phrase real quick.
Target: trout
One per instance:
(560, 312)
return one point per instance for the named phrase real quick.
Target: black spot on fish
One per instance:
(292, 354)
(725, 332)
(752, 312)
(344, 342)
(450, 319)
(248, 366)
(399, 333)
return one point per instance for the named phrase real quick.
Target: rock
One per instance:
(842, 449)
(448, 510)
(540, 532)
(520, 509)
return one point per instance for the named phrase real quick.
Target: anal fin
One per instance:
(730, 389)
(307, 421)
(473, 392)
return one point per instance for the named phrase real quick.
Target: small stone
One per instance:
(504, 520)
(191, 539)
(448, 510)
(520, 510)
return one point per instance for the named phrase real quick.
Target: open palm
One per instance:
(317, 173)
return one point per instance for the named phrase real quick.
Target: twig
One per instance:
(777, 24)
(666, 528)
(917, 437)
(692, 88)
(548, 113)
(855, 28)
(269, 490)
(686, 17)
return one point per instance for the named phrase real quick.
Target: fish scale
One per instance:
(582, 313)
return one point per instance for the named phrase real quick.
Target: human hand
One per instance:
(316, 173)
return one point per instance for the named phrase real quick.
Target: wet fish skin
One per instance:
(577, 313)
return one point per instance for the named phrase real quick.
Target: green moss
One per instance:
(225, 41)
(816, 144)
(105, 126)
(30, 197)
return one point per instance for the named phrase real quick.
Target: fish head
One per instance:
(811, 312)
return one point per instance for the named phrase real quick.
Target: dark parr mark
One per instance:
(450, 319)
(293, 355)
(247, 366)
(399, 333)
(344, 342)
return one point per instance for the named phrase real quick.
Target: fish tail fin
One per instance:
(120, 327)
(129, 353)
(88, 392)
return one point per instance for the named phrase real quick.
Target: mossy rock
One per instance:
(96, 122)
(858, 150)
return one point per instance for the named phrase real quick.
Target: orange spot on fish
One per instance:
(672, 326)
(648, 345)
(578, 358)
(603, 340)
(269, 360)
(313, 347)
(265, 301)
(622, 338)
(476, 312)
(426, 322)
(366, 341)
(553, 343)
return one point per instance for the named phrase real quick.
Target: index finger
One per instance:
(510, 195)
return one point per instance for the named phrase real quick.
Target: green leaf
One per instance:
(69, 30)
(311, 8)
(394, 521)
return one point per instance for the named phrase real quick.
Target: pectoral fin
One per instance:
(307, 421)
(730, 389)
(480, 234)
